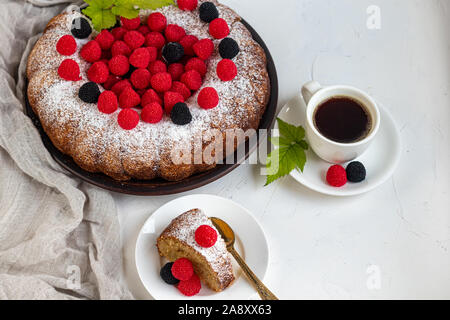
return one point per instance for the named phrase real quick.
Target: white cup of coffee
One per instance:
(341, 121)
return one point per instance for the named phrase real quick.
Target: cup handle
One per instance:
(310, 89)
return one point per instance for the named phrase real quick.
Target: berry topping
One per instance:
(107, 102)
(181, 89)
(118, 33)
(144, 30)
(91, 51)
(130, 24)
(119, 86)
(171, 99)
(196, 64)
(66, 45)
(174, 33)
(112, 80)
(204, 48)
(155, 39)
(208, 12)
(150, 96)
(190, 287)
(192, 79)
(140, 58)
(152, 113)
(208, 98)
(187, 5)
(81, 28)
(98, 72)
(176, 70)
(153, 53)
(119, 65)
(336, 176)
(141, 78)
(226, 70)
(182, 269)
(205, 236)
(228, 48)
(161, 82)
(157, 22)
(180, 114)
(173, 52)
(188, 42)
(89, 92)
(120, 48)
(166, 271)
(219, 29)
(356, 172)
(128, 119)
(129, 98)
(105, 39)
(69, 70)
(134, 39)
(157, 67)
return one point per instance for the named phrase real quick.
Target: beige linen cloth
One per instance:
(59, 238)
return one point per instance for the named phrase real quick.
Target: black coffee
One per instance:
(343, 120)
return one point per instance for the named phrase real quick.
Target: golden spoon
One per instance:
(228, 236)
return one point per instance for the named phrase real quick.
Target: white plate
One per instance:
(380, 160)
(251, 243)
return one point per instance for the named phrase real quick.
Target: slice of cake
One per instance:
(181, 240)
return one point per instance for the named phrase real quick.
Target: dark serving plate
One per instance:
(159, 186)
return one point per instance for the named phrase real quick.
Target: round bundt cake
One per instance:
(122, 100)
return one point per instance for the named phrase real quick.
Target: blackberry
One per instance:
(81, 28)
(180, 114)
(173, 52)
(89, 92)
(208, 12)
(356, 172)
(228, 48)
(166, 274)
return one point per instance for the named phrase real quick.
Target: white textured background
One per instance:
(322, 247)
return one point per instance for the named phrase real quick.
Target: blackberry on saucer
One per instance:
(356, 172)
(166, 274)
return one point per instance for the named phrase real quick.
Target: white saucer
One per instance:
(380, 160)
(251, 243)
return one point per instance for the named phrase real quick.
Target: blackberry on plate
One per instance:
(173, 52)
(208, 12)
(228, 48)
(180, 114)
(81, 28)
(166, 274)
(356, 172)
(89, 92)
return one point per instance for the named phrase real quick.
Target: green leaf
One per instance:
(126, 9)
(290, 131)
(100, 4)
(101, 18)
(152, 4)
(280, 141)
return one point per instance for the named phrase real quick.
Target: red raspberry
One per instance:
(182, 269)
(140, 58)
(150, 96)
(134, 39)
(91, 51)
(69, 70)
(112, 80)
(157, 22)
(181, 89)
(120, 47)
(187, 5)
(66, 45)
(157, 67)
(219, 29)
(155, 39)
(144, 30)
(226, 70)
(105, 39)
(119, 86)
(204, 48)
(176, 70)
(171, 99)
(140, 78)
(107, 102)
(161, 82)
(152, 113)
(174, 33)
(128, 119)
(188, 42)
(153, 53)
(119, 65)
(190, 287)
(196, 64)
(336, 176)
(129, 98)
(98, 72)
(205, 236)
(208, 98)
(130, 24)
(192, 79)
(118, 33)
